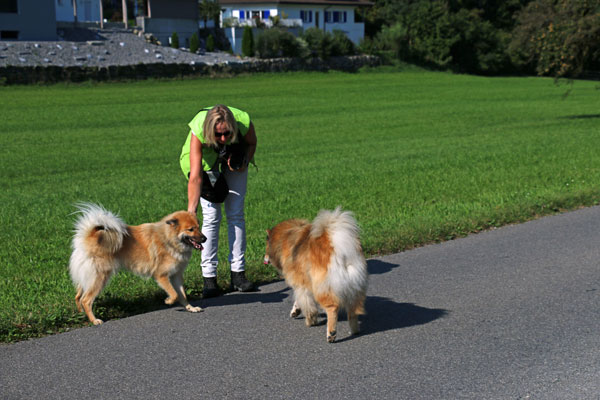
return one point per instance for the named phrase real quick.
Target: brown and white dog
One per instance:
(103, 243)
(324, 264)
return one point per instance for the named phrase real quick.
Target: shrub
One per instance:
(341, 45)
(275, 42)
(210, 43)
(319, 42)
(174, 40)
(248, 42)
(194, 43)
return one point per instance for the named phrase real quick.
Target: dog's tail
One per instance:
(347, 269)
(98, 236)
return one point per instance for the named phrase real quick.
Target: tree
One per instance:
(194, 43)
(175, 40)
(208, 10)
(559, 38)
(248, 42)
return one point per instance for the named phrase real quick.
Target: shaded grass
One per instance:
(419, 157)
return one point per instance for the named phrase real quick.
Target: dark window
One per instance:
(7, 35)
(8, 6)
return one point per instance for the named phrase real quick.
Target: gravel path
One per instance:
(101, 48)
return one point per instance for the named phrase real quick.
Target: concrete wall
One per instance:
(163, 28)
(34, 20)
(174, 9)
(87, 10)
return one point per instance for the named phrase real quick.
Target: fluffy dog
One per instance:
(103, 243)
(324, 264)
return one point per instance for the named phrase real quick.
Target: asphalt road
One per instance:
(512, 313)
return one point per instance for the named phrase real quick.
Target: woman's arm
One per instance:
(250, 139)
(195, 181)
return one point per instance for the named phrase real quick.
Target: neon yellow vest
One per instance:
(209, 155)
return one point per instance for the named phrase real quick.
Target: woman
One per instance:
(218, 149)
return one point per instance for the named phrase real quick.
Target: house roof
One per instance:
(307, 2)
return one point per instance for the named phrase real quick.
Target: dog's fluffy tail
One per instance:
(347, 270)
(98, 235)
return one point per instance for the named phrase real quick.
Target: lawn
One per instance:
(418, 156)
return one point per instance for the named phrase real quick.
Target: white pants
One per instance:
(236, 226)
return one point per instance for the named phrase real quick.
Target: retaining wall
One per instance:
(10, 75)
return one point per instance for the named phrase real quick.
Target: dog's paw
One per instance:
(312, 319)
(97, 321)
(331, 336)
(170, 300)
(194, 309)
(295, 312)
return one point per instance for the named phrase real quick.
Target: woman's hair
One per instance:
(215, 115)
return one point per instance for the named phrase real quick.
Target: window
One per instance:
(242, 17)
(266, 14)
(8, 6)
(8, 35)
(306, 16)
(336, 17)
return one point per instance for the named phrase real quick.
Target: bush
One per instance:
(194, 43)
(341, 45)
(248, 42)
(275, 42)
(174, 40)
(319, 42)
(210, 43)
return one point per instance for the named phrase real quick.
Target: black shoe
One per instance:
(210, 289)
(239, 282)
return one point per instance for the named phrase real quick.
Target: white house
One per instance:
(328, 15)
(87, 11)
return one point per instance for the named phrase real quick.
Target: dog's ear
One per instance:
(173, 222)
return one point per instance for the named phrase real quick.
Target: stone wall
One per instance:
(10, 75)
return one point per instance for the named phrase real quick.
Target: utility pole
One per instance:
(101, 15)
(74, 2)
(125, 14)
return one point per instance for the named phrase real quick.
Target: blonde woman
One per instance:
(215, 158)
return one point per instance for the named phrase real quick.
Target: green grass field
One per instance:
(418, 156)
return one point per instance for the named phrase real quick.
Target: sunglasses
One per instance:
(225, 134)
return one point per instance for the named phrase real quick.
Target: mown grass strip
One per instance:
(418, 156)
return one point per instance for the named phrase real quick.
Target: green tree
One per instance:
(208, 10)
(559, 38)
(210, 43)
(319, 42)
(194, 43)
(248, 42)
(175, 40)
(276, 42)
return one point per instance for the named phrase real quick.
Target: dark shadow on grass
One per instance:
(376, 267)
(582, 116)
(108, 307)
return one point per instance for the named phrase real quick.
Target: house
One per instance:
(328, 15)
(87, 11)
(164, 17)
(27, 20)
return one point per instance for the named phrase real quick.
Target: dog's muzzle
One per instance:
(195, 242)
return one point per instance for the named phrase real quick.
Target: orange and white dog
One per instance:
(324, 264)
(103, 243)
